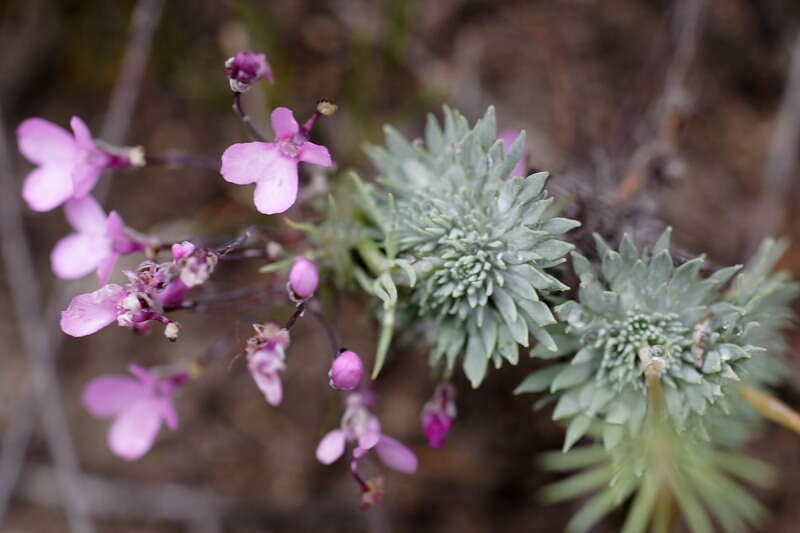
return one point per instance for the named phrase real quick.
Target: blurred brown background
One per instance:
(652, 112)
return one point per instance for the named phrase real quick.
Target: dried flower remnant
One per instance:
(438, 414)
(303, 278)
(346, 371)
(137, 404)
(68, 165)
(272, 166)
(97, 243)
(246, 68)
(266, 360)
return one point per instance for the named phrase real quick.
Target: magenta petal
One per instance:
(48, 186)
(82, 134)
(316, 154)
(85, 215)
(277, 192)
(283, 123)
(244, 163)
(41, 141)
(331, 447)
(396, 455)
(135, 429)
(108, 395)
(88, 313)
(77, 254)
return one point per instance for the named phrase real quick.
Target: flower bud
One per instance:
(303, 278)
(346, 371)
(438, 414)
(246, 68)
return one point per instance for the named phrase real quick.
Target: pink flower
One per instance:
(97, 243)
(91, 312)
(438, 414)
(359, 425)
(272, 166)
(346, 371)
(246, 68)
(69, 165)
(181, 250)
(303, 278)
(137, 405)
(266, 358)
(508, 137)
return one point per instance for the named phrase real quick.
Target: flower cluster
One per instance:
(152, 290)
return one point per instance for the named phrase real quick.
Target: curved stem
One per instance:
(239, 110)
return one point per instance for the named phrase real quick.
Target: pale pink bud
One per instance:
(346, 371)
(303, 278)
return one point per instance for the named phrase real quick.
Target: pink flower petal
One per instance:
(396, 455)
(88, 313)
(244, 163)
(105, 267)
(169, 414)
(135, 429)
(41, 141)
(316, 154)
(82, 134)
(271, 386)
(370, 435)
(283, 123)
(47, 187)
(85, 175)
(85, 215)
(331, 447)
(107, 396)
(121, 243)
(78, 254)
(278, 191)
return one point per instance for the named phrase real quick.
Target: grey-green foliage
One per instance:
(640, 307)
(478, 242)
(704, 340)
(661, 470)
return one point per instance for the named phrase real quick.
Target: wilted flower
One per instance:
(266, 358)
(509, 137)
(137, 405)
(69, 165)
(346, 371)
(303, 278)
(438, 414)
(246, 68)
(359, 425)
(97, 243)
(194, 265)
(272, 166)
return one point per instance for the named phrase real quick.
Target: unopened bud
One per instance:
(303, 278)
(346, 371)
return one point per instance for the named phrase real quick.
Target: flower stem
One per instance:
(239, 110)
(771, 407)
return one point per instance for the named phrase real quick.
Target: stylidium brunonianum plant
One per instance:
(659, 369)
